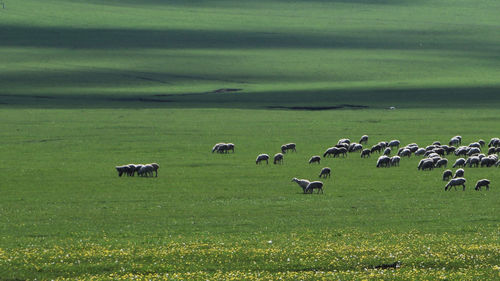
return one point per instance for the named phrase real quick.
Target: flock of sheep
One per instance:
(434, 157)
(142, 170)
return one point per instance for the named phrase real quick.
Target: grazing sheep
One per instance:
(364, 139)
(454, 183)
(355, 147)
(475, 144)
(376, 147)
(460, 162)
(450, 150)
(459, 173)
(394, 143)
(461, 151)
(443, 162)
(387, 151)
(472, 161)
(447, 174)
(325, 172)
(122, 170)
(216, 147)
(426, 164)
(495, 142)
(230, 146)
(146, 171)
(315, 159)
(491, 150)
(395, 161)
(438, 143)
(488, 161)
(155, 168)
(430, 147)
(288, 146)
(278, 158)
(481, 183)
(342, 151)
(454, 141)
(481, 142)
(439, 151)
(405, 153)
(383, 144)
(346, 141)
(365, 153)
(473, 150)
(223, 148)
(383, 161)
(314, 185)
(131, 170)
(420, 151)
(262, 157)
(302, 183)
(331, 151)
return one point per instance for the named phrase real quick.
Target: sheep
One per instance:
(288, 146)
(475, 144)
(447, 174)
(146, 170)
(131, 170)
(472, 161)
(420, 151)
(454, 183)
(302, 183)
(461, 151)
(314, 185)
(473, 150)
(481, 183)
(454, 141)
(365, 153)
(216, 147)
(459, 173)
(315, 159)
(278, 158)
(222, 148)
(405, 153)
(155, 168)
(230, 146)
(488, 161)
(261, 158)
(325, 172)
(342, 151)
(122, 170)
(376, 147)
(395, 160)
(439, 151)
(331, 151)
(383, 161)
(347, 141)
(491, 150)
(394, 143)
(460, 162)
(355, 147)
(364, 139)
(383, 144)
(441, 162)
(426, 164)
(494, 142)
(438, 143)
(387, 151)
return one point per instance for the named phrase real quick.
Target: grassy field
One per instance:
(88, 85)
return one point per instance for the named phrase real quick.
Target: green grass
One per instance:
(88, 85)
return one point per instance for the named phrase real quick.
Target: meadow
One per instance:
(88, 85)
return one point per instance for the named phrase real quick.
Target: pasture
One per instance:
(89, 85)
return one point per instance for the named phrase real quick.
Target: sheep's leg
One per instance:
(464, 187)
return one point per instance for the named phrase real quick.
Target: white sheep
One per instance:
(405, 152)
(364, 139)
(155, 168)
(365, 153)
(488, 161)
(394, 143)
(420, 151)
(481, 183)
(395, 160)
(472, 161)
(454, 183)
(230, 146)
(315, 159)
(325, 172)
(262, 157)
(288, 146)
(383, 161)
(146, 170)
(443, 162)
(216, 147)
(447, 174)
(454, 141)
(302, 183)
(460, 162)
(459, 173)
(387, 151)
(314, 185)
(331, 151)
(425, 164)
(278, 158)
(122, 170)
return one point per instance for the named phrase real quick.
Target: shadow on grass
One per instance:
(279, 100)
